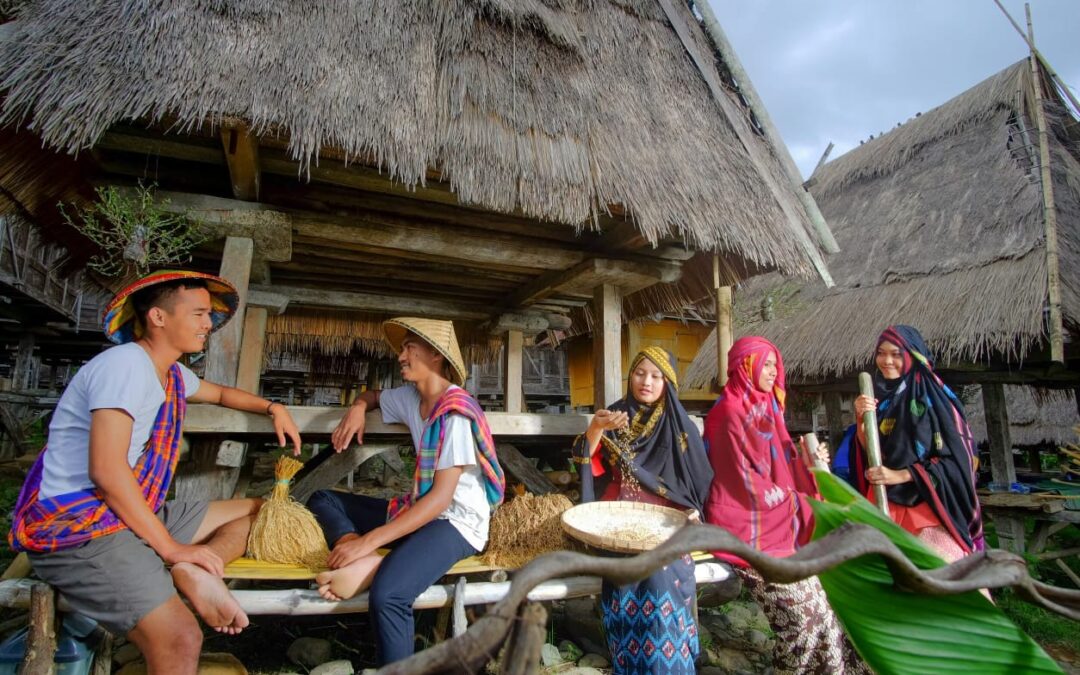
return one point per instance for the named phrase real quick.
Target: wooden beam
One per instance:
(1010, 530)
(274, 302)
(242, 157)
(834, 418)
(523, 470)
(512, 372)
(607, 345)
(369, 302)
(224, 352)
(334, 466)
(41, 638)
(249, 371)
(409, 236)
(626, 275)
(322, 420)
(724, 336)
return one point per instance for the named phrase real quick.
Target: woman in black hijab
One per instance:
(644, 448)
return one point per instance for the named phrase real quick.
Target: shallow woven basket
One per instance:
(622, 527)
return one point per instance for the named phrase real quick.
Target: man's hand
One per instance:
(285, 426)
(349, 549)
(352, 424)
(203, 556)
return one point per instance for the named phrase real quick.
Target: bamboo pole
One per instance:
(1042, 59)
(1053, 271)
(873, 443)
(824, 158)
(723, 323)
(772, 135)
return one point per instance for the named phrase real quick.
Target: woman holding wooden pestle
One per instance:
(761, 494)
(927, 452)
(644, 448)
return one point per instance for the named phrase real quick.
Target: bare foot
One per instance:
(210, 598)
(345, 582)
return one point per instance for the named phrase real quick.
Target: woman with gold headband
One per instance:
(644, 448)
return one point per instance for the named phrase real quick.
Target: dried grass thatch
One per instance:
(940, 226)
(552, 109)
(1033, 419)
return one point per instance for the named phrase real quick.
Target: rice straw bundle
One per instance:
(285, 531)
(526, 527)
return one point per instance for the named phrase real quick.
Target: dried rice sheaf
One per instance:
(285, 531)
(526, 527)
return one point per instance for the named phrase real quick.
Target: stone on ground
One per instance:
(342, 667)
(308, 652)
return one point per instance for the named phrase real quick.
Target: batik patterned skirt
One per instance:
(650, 624)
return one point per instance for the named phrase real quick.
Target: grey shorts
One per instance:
(118, 579)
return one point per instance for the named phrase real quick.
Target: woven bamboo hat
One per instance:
(439, 334)
(122, 326)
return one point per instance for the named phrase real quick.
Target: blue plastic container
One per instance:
(73, 657)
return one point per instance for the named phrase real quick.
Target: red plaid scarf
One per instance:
(67, 520)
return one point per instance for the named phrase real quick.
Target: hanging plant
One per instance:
(135, 231)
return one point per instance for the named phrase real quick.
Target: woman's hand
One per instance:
(821, 454)
(349, 549)
(883, 475)
(864, 404)
(608, 420)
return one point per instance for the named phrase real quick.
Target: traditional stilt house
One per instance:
(513, 166)
(943, 224)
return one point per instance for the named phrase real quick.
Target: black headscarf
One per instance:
(662, 449)
(923, 429)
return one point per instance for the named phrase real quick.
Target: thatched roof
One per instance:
(940, 226)
(555, 110)
(1034, 418)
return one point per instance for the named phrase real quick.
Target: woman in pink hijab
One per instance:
(760, 493)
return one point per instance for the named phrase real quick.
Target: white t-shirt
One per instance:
(469, 511)
(121, 377)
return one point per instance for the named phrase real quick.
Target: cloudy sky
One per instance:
(841, 70)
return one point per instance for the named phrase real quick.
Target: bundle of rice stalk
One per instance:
(526, 527)
(285, 531)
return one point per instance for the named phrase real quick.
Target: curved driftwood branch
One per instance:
(988, 569)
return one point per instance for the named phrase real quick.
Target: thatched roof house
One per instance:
(1035, 418)
(940, 225)
(466, 152)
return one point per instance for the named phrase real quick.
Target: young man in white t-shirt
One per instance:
(92, 515)
(445, 519)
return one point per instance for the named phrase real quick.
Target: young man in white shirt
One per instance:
(92, 514)
(457, 485)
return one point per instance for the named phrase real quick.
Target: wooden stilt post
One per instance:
(1053, 270)
(723, 323)
(249, 372)
(41, 640)
(215, 466)
(1002, 469)
(834, 417)
(607, 345)
(24, 363)
(515, 343)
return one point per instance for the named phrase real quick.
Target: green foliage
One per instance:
(134, 231)
(900, 632)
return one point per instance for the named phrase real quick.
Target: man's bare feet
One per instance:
(210, 598)
(345, 582)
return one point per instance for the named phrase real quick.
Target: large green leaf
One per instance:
(900, 632)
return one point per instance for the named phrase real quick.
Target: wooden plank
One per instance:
(523, 470)
(379, 264)
(370, 302)
(627, 275)
(515, 342)
(321, 420)
(249, 371)
(607, 346)
(330, 471)
(242, 158)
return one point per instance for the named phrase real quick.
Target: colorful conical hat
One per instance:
(120, 322)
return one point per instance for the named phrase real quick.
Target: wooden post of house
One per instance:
(1002, 470)
(723, 323)
(24, 363)
(251, 350)
(215, 465)
(607, 345)
(515, 343)
(834, 417)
